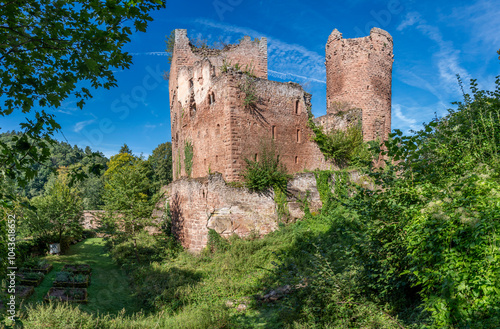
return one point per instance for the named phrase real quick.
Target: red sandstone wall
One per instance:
(359, 73)
(197, 118)
(199, 204)
(280, 106)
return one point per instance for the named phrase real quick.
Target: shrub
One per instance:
(267, 171)
(144, 248)
(344, 147)
(248, 87)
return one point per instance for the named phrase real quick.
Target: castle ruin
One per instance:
(211, 112)
(222, 106)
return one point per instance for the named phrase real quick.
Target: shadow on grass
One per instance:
(109, 290)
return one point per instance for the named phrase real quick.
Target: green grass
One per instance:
(109, 290)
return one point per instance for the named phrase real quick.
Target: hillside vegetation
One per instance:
(422, 250)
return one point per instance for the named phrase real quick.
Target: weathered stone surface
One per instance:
(207, 103)
(208, 109)
(359, 75)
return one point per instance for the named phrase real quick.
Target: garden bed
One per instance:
(77, 268)
(24, 291)
(44, 268)
(29, 278)
(71, 295)
(71, 279)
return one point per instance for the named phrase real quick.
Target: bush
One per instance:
(144, 248)
(344, 147)
(267, 171)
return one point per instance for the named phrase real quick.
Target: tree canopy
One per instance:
(54, 49)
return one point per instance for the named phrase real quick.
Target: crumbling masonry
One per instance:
(223, 108)
(208, 88)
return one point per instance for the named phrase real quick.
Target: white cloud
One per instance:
(151, 53)
(447, 58)
(410, 20)
(284, 59)
(401, 121)
(82, 124)
(482, 18)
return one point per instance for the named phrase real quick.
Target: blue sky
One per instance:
(433, 41)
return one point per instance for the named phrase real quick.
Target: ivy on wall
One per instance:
(188, 157)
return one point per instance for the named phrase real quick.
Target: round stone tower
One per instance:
(359, 75)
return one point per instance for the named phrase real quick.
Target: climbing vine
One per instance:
(281, 201)
(188, 157)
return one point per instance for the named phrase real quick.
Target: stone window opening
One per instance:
(296, 160)
(273, 132)
(211, 98)
(297, 112)
(298, 136)
(256, 157)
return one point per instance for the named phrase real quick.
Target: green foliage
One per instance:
(56, 214)
(188, 157)
(433, 219)
(161, 164)
(248, 87)
(49, 60)
(267, 172)
(281, 200)
(125, 150)
(216, 243)
(67, 316)
(344, 147)
(170, 43)
(144, 248)
(128, 198)
(81, 163)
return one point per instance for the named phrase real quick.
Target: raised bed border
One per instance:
(45, 270)
(84, 284)
(66, 268)
(31, 290)
(81, 301)
(28, 282)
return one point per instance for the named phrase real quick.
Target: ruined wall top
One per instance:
(374, 32)
(248, 54)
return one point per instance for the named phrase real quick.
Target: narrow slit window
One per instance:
(256, 157)
(296, 159)
(273, 132)
(298, 135)
(297, 107)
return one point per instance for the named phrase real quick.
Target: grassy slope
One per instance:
(109, 290)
